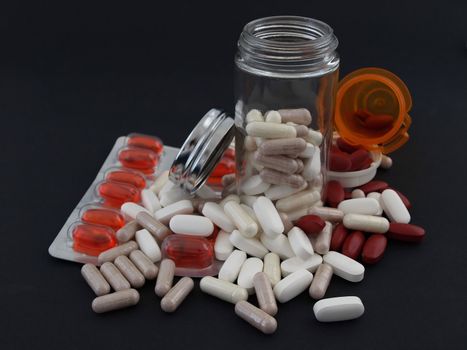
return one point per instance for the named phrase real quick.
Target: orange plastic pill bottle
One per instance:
(372, 106)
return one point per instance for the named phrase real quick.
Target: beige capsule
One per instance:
(288, 147)
(298, 200)
(272, 267)
(286, 221)
(114, 277)
(155, 227)
(277, 178)
(300, 116)
(283, 164)
(302, 130)
(144, 264)
(175, 296)
(128, 231)
(115, 301)
(270, 130)
(113, 253)
(321, 281)
(165, 277)
(386, 162)
(264, 293)
(130, 271)
(95, 279)
(327, 214)
(300, 165)
(256, 317)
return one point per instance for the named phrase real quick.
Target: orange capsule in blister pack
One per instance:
(127, 176)
(117, 193)
(146, 141)
(103, 216)
(214, 181)
(224, 167)
(141, 159)
(92, 239)
(188, 251)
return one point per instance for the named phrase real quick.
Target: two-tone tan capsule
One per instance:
(288, 147)
(327, 214)
(175, 296)
(155, 227)
(264, 293)
(302, 130)
(165, 277)
(321, 281)
(144, 264)
(95, 279)
(130, 271)
(280, 163)
(298, 200)
(300, 116)
(115, 301)
(128, 231)
(256, 317)
(113, 253)
(115, 278)
(277, 178)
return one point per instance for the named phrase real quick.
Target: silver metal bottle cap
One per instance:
(202, 150)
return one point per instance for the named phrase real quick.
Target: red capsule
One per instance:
(359, 160)
(339, 234)
(128, 177)
(346, 147)
(230, 153)
(333, 193)
(404, 199)
(188, 251)
(311, 224)
(145, 141)
(373, 249)
(405, 232)
(141, 159)
(105, 217)
(214, 181)
(339, 161)
(353, 245)
(92, 239)
(224, 167)
(379, 121)
(374, 186)
(117, 193)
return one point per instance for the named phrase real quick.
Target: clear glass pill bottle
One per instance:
(285, 83)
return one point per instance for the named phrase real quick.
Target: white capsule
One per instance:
(230, 197)
(394, 207)
(150, 200)
(268, 217)
(299, 200)
(175, 194)
(254, 116)
(250, 246)
(297, 213)
(272, 267)
(160, 182)
(276, 192)
(215, 213)
(254, 185)
(292, 285)
(327, 214)
(358, 193)
(249, 269)
(368, 223)
(314, 137)
(193, 225)
(294, 264)
(182, 207)
(273, 117)
(279, 245)
(365, 206)
(386, 162)
(308, 152)
(223, 290)
(130, 210)
(300, 243)
(338, 309)
(312, 166)
(248, 200)
(300, 116)
(223, 247)
(270, 130)
(344, 266)
(322, 242)
(250, 144)
(246, 225)
(148, 245)
(232, 265)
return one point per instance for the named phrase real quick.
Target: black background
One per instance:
(75, 76)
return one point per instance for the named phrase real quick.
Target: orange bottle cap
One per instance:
(372, 106)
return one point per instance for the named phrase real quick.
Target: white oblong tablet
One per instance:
(268, 217)
(148, 245)
(130, 210)
(254, 185)
(394, 207)
(249, 269)
(272, 267)
(150, 200)
(292, 285)
(368, 223)
(244, 222)
(291, 265)
(345, 267)
(300, 243)
(222, 247)
(160, 182)
(231, 267)
(181, 207)
(365, 206)
(173, 195)
(192, 225)
(279, 245)
(338, 309)
(215, 213)
(281, 191)
(251, 246)
(248, 200)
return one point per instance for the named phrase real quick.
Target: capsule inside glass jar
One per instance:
(92, 239)
(126, 176)
(102, 216)
(117, 193)
(188, 251)
(145, 141)
(141, 159)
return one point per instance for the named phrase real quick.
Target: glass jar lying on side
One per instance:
(286, 80)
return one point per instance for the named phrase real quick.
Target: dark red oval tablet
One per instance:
(353, 245)
(405, 232)
(346, 147)
(333, 193)
(339, 234)
(311, 224)
(373, 249)
(339, 161)
(374, 186)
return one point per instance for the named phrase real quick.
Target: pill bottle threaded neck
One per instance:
(287, 46)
